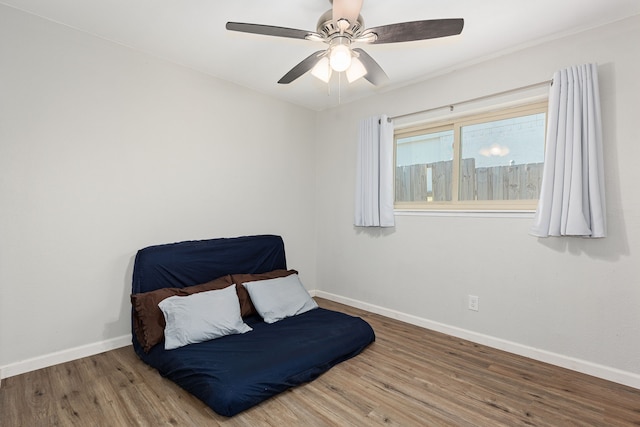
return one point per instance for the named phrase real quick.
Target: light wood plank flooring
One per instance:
(409, 377)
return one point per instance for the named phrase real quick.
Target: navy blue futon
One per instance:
(235, 372)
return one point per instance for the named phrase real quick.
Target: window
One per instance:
(490, 161)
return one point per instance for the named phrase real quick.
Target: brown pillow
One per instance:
(246, 306)
(148, 320)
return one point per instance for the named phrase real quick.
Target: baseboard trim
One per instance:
(63, 356)
(600, 371)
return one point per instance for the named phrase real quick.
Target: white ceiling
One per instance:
(192, 33)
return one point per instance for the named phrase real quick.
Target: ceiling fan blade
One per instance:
(346, 9)
(375, 73)
(417, 30)
(305, 65)
(268, 30)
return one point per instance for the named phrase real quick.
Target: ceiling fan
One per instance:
(340, 27)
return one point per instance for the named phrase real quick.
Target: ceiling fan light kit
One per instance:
(322, 70)
(356, 70)
(339, 28)
(340, 54)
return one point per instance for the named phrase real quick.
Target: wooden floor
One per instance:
(409, 377)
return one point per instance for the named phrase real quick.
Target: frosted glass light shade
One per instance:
(340, 57)
(322, 70)
(356, 70)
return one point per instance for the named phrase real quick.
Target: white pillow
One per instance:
(201, 317)
(275, 299)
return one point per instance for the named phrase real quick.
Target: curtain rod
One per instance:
(480, 98)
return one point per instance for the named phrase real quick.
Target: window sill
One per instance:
(467, 213)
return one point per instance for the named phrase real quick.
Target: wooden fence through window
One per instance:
(433, 182)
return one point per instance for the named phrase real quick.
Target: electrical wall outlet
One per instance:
(473, 302)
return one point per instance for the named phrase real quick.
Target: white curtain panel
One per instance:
(374, 173)
(572, 201)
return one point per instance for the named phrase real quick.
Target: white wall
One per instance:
(103, 151)
(571, 297)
